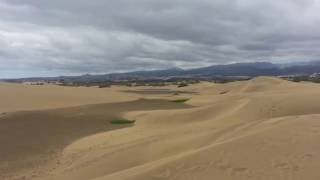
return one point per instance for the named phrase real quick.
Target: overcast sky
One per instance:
(66, 37)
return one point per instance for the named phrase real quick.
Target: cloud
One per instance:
(80, 36)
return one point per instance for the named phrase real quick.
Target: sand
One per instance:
(265, 128)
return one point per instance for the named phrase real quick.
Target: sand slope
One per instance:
(16, 97)
(265, 128)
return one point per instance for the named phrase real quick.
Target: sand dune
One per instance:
(265, 128)
(28, 136)
(16, 97)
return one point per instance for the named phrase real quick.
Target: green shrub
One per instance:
(180, 100)
(122, 121)
(183, 84)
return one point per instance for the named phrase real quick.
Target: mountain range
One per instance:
(237, 69)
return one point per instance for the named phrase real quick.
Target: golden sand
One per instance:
(265, 128)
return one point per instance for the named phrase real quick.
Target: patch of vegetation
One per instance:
(180, 100)
(176, 93)
(183, 84)
(224, 92)
(104, 85)
(122, 121)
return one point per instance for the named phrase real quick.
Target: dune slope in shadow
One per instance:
(31, 138)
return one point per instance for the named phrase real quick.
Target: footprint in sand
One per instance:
(240, 169)
(307, 156)
(163, 175)
(287, 166)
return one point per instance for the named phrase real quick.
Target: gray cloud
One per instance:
(81, 36)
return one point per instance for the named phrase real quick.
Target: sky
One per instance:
(71, 37)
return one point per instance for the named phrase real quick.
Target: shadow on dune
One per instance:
(29, 138)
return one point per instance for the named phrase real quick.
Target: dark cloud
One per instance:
(81, 36)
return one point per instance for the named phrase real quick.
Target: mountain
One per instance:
(236, 69)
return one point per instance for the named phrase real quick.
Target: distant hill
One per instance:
(236, 69)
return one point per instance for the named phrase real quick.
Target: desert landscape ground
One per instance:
(262, 129)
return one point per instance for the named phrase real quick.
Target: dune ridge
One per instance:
(265, 128)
